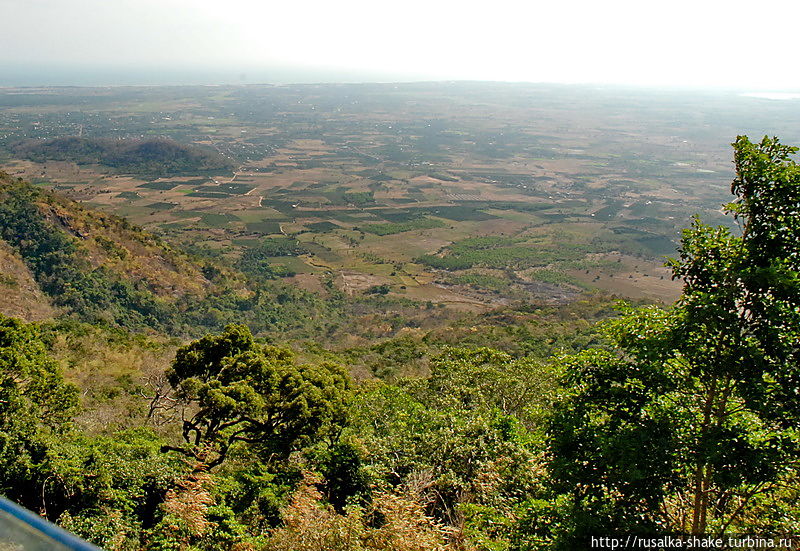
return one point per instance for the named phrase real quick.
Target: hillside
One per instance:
(56, 253)
(132, 156)
(22, 297)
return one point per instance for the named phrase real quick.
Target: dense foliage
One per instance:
(243, 392)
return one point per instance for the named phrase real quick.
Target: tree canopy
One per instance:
(235, 390)
(688, 422)
(36, 405)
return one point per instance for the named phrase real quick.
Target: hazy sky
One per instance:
(690, 43)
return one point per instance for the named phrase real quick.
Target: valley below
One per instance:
(385, 188)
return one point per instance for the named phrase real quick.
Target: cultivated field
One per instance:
(468, 195)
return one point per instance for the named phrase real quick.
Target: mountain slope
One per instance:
(90, 264)
(21, 295)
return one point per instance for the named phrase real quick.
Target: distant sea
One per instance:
(772, 95)
(19, 76)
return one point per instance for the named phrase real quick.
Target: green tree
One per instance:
(466, 439)
(108, 487)
(36, 406)
(689, 421)
(235, 390)
(489, 380)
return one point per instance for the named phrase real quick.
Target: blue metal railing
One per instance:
(22, 530)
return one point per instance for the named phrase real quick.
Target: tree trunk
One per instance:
(702, 472)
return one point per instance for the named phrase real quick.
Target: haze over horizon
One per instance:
(620, 42)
